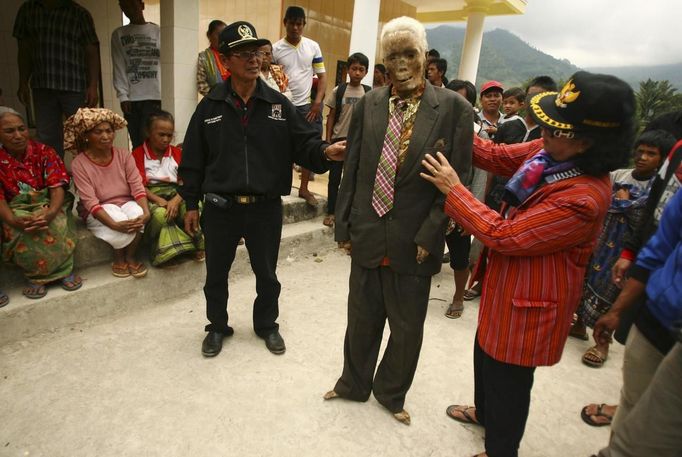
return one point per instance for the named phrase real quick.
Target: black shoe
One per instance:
(212, 344)
(275, 343)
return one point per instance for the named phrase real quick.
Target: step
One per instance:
(104, 295)
(91, 251)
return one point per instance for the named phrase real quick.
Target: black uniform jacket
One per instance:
(226, 155)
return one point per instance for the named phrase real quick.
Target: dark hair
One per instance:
(660, 139)
(159, 115)
(610, 149)
(441, 64)
(544, 81)
(294, 12)
(358, 57)
(458, 84)
(268, 42)
(515, 92)
(214, 24)
(670, 122)
(433, 53)
(381, 67)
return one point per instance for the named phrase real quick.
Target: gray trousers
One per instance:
(374, 296)
(654, 425)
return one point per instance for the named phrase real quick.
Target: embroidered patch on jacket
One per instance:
(213, 120)
(276, 113)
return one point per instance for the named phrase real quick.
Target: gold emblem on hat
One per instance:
(567, 95)
(245, 31)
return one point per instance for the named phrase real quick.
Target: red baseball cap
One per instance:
(491, 85)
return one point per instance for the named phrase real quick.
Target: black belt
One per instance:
(227, 200)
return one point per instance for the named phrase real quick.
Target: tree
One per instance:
(655, 98)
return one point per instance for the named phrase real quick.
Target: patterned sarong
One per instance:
(43, 255)
(168, 239)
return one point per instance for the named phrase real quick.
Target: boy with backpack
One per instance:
(340, 103)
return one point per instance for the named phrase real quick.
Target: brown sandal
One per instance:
(120, 270)
(329, 220)
(138, 270)
(464, 410)
(455, 310)
(594, 358)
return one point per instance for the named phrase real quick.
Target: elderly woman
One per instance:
(35, 209)
(210, 69)
(540, 242)
(113, 200)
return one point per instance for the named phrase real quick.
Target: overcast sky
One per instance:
(601, 32)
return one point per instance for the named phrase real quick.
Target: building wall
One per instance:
(106, 15)
(329, 23)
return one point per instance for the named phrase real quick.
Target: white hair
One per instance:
(402, 25)
(7, 110)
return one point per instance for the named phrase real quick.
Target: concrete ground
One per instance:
(137, 385)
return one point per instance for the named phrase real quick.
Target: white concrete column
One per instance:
(364, 32)
(179, 45)
(473, 39)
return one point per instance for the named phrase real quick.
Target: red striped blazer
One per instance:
(538, 255)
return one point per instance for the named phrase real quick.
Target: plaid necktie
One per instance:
(384, 182)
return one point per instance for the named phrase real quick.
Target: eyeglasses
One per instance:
(248, 55)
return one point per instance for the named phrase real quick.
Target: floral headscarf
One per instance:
(86, 119)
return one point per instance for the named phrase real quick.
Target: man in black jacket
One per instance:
(237, 156)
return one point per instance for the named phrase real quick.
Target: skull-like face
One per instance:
(404, 62)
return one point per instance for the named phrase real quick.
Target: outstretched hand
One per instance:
(442, 175)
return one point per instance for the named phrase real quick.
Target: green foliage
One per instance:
(655, 98)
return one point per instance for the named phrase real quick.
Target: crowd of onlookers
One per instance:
(631, 285)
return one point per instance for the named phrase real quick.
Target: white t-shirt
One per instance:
(300, 63)
(164, 170)
(136, 61)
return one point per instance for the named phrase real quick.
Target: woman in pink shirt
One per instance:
(113, 201)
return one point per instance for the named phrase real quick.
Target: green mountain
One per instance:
(510, 60)
(504, 57)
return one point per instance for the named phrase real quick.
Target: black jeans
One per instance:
(260, 224)
(502, 399)
(137, 118)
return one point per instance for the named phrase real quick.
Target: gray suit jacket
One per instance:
(417, 217)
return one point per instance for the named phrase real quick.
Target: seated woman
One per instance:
(35, 209)
(113, 202)
(158, 163)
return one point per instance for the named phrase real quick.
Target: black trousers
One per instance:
(335, 171)
(137, 118)
(260, 224)
(375, 295)
(502, 399)
(459, 246)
